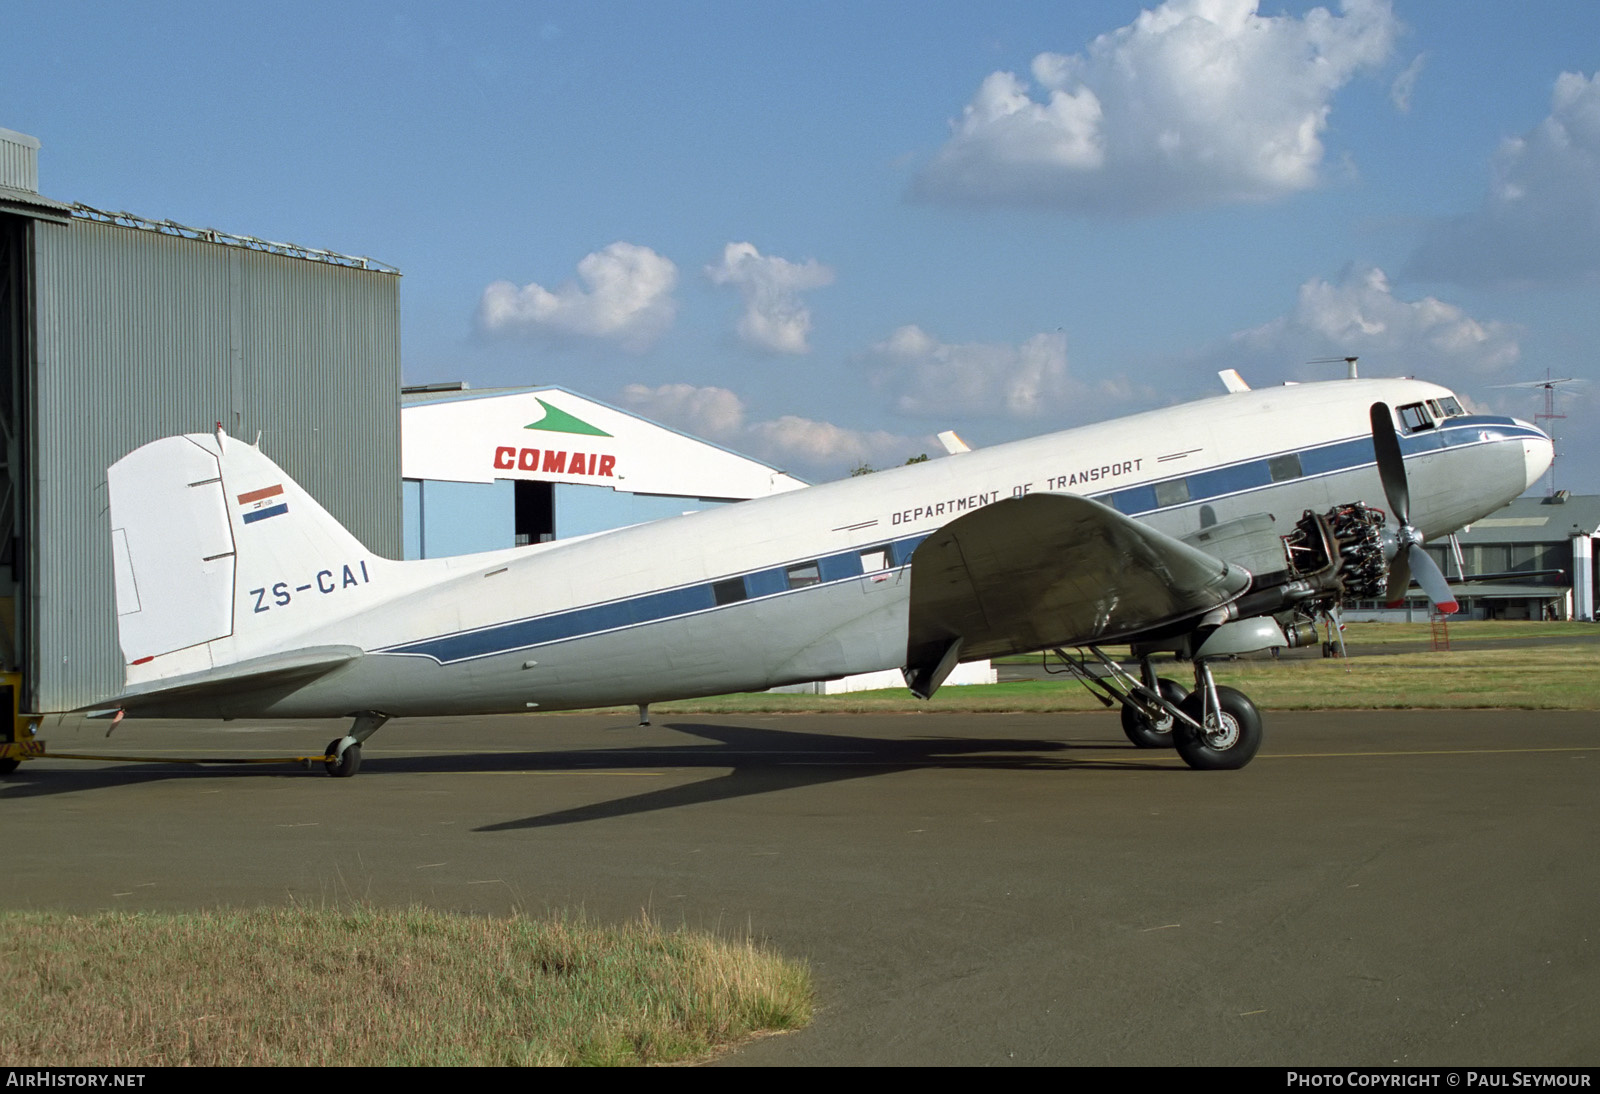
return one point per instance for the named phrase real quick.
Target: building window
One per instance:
(874, 559)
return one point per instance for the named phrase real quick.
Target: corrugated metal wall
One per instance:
(19, 160)
(141, 335)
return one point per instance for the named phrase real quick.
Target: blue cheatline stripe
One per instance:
(263, 514)
(1327, 459)
(654, 607)
(635, 611)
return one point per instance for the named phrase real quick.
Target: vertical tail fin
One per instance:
(219, 555)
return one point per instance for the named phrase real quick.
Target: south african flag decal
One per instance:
(263, 503)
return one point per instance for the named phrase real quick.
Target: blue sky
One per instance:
(821, 233)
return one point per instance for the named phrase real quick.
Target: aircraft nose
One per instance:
(1538, 453)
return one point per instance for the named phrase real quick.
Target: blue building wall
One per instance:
(458, 518)
(580, 510)
(461, 518)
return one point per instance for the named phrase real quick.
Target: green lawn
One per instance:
(1473, 673)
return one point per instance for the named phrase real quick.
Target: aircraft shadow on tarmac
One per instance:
(761, 760)
(764, 760)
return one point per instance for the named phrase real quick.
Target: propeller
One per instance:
(1410, 560)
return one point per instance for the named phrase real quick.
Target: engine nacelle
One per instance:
(1327, 558)
(1340, 551)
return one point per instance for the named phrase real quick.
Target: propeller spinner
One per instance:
(1410, 560)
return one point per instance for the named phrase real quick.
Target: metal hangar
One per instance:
(118, 329)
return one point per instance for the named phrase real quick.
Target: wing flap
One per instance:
(1053, 570)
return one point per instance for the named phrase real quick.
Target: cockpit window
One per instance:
(1452, 409)
(1415, 417)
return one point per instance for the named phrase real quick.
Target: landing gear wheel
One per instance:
(1153, 734)
(1231, 737)
(348, 762)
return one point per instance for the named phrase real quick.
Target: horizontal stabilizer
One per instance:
(1509, 577)
(1053, 570)
(286, 671)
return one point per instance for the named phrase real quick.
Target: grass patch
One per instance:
(1471, 675)
(300, 986)
(1368, 635)
(1463, 678)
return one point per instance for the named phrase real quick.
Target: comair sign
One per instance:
(554, 435)
(563, 461)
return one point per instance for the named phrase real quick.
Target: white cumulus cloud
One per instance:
(1194, 102)
(774, 317)
(1360, 315)
(816, 450)
(714, 413)
(927, 377)
(1405, 83)
(623, 294)
(1540, 221)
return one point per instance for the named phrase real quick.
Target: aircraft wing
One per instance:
(1051, 570)
(178, 696)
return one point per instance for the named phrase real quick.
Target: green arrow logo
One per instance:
(559, 421)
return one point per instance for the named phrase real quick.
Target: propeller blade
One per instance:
(1431, 579)
(1399, 578)
(1391, 465)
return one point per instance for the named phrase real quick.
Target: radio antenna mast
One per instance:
(1549, 414)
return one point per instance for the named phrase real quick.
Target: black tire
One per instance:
(1141, 730)
(9, 764)
(348, 763)
(1226, 748)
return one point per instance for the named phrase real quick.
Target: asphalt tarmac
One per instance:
(1376, 888)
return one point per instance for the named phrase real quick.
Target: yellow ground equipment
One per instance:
(17, 740)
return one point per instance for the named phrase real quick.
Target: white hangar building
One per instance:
(498, 468)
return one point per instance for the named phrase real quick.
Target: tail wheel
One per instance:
(347, 762)
(1146, 732)
(1231, 737)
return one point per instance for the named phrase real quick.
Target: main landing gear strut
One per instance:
(344, 753)
(1213, 727)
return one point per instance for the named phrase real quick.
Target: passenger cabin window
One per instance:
(1415, 418)
(1283, 468)
(1175, 492)
(803, 574)
(729, 592)
(874, 559)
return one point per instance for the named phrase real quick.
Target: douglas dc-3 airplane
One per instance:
(1211, 528)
